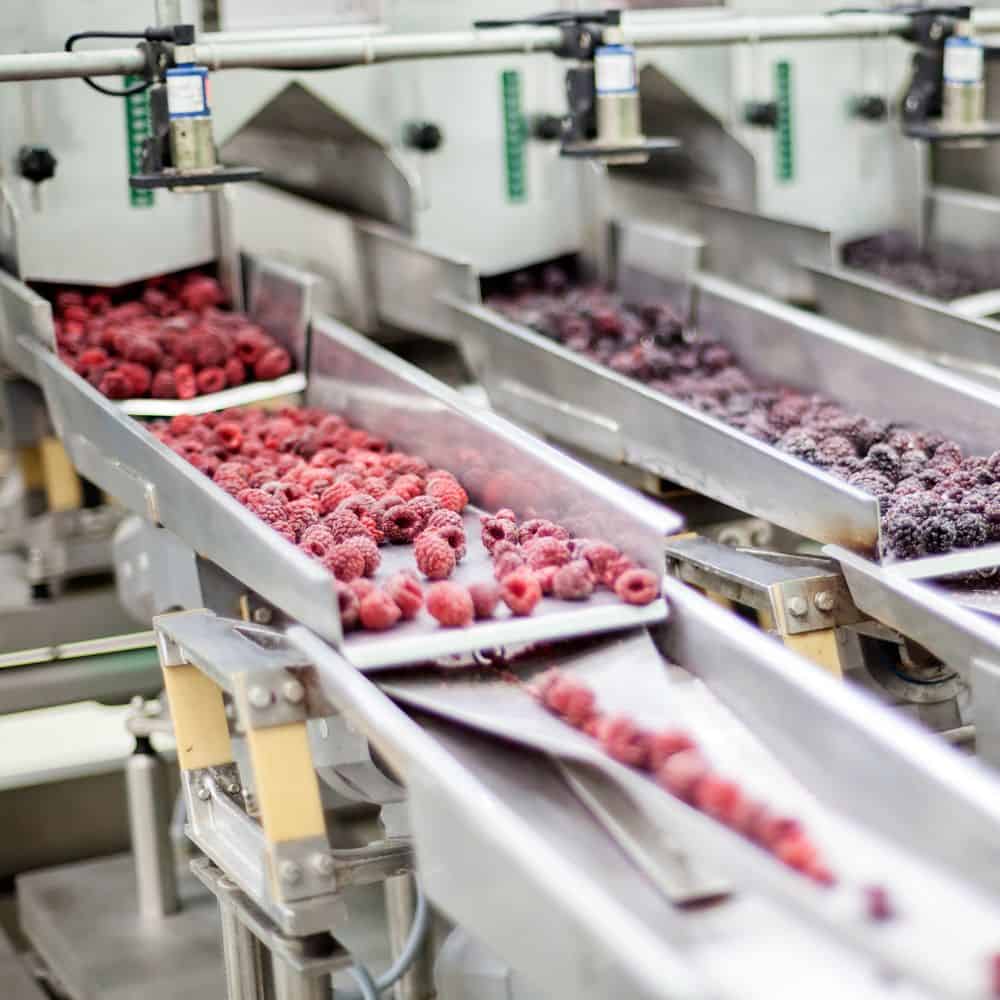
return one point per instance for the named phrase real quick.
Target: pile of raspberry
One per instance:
(171, 340)
(933, 498)
(672, 757)
(538, 557)
(940, 272)
(340, 494)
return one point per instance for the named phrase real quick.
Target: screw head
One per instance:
(292, 691)
(203, 793)
(232, 788)
(797, 607)
(323, 865)
(262, 615)
(289, 872)
(825, 601)
(259, 697)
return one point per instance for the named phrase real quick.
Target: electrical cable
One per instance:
(128, 91)
(369, 991)
(398, 969)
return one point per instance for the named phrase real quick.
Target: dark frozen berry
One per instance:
(885, 459)
(938, 535)
(903, 536)
(971, 530)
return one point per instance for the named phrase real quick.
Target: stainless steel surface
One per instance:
(290, 984)
(400, 901)
(149, 809)
(16, 983)
(23, 313)
(83, 921)
(242, 955)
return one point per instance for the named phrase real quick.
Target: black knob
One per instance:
(425, 136)
(36, 163)
(870, 107)
(547, 128)
(763, 114)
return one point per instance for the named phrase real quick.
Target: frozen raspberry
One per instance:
(796, 851)
(230, 435)
(615, 569)
(718, 797)
(424, 506)
(272, 364)
(449, 493)
(357, 503)
(435, 557)
(507, 563)
(546, 551)
(541, 528)
(369, 551)
(444, 518)
(114, 385)
(573, 582)
(379, 611)
(143, 351)
(771, 830)
(664, 744)
(405, 590)
(342, 524)
(362, 587)
(401, 524)
(301, 515)
(349, 606)
(682, 772)
(496, 530)
(251, 345)
(210, 380)
(878, 905)
(600, 555)
(622, 739)
(317, 540)
(333, 496)
(345, 561)
(570, 699)
(262, 504)
(637, 586)
(455, 537)
(450, 604)
(408, 487)
(520, 591)
(235, 372)
(485, 598)
(506, 514)
(546, 577)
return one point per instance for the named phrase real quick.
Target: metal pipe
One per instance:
(400, 903)
(67, 65)
(290, 984)
(149, 823)
(241, 952)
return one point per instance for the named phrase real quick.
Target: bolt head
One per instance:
(259, 697)
(293, 692)
(262, 615)
(825, 601)
(232, 788)
(203, 793)
(289, 872)
(797, 607)
(323, 865)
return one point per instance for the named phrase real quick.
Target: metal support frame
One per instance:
(802, 599)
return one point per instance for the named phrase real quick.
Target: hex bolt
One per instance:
(323, 865)
(825, 601)
(797, 607)
(292, 691)
(262, 615)
(204, 793)
(259, 697)
(233, 788)
(290, 872)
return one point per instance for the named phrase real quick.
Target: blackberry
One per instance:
(993, 464)
(974, 502)
(938, 535)
(799, 443)
(908, 486)
(971, 530)
(836, 450)
(872, 482)
(903, 537)
(902, 439)
(882, 458)
(912, 462)
(787, 412)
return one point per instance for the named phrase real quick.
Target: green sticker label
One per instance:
(138, 127)
(784, 135)
(513, 135)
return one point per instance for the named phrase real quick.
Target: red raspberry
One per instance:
(622, 739)
(114, 385)
(199, 292)
(664, 744)
(98, 302)
(546, 577)
(796, 851)
(236, 373)
(820, 874)
(878, 904)
(615, 568)
(357, 503)
(210, 351)
(317, 540)
(444, 518)
(262, 504)
(520, 591)
(509, 562)
(599, 556)
(301, 515)
(541, 528)
(506, 514)
(187, 387)
(682, 772)
(342, 524)
(183, 423)
(369, 550)
(449, 493)
(485, 597)
(717, 797)
(573, 582)
(139, 378)
(210, 380)
(435, 558)
(362, 587)
(344, 561)
(349, 605)
(204, 463)
(379, 611)
(455, 537)
(541, 552)
(570, 699)
(408, 487)
(637, 586)
(272, 364)
(333, 496)
(771, 830)
(450, 604)
(424, 506)
(94, 357)
(143, 351)
(405, 590)
(496, 530)
(401, 524)
(230, 435)
(502, 548)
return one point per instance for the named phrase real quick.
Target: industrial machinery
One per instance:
(321, 767)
